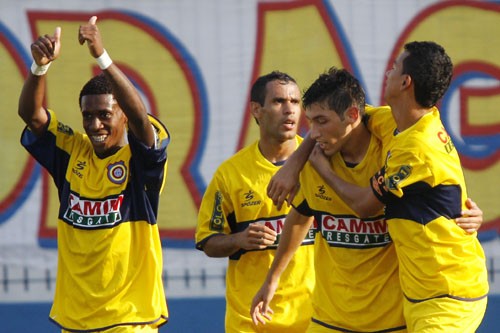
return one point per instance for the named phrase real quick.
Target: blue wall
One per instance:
(186, 315)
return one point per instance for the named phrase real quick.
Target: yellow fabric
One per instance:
(236, 197)
(444, 315)
(424, 190)
(357, 286)
(109, 266)
(127, 329)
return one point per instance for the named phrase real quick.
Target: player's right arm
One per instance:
(285, 182)
(256, 237)
(362, 200)
(44, 50)
(214, 236)
(294, 231)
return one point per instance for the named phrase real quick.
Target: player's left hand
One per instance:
(89, 33)
(472, 218)
(260, 309)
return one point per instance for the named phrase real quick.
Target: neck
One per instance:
(406, 113)
(277, 151)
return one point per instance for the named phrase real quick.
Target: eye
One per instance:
(104, 115)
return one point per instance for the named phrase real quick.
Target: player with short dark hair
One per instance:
(109, 275)
(237, 220)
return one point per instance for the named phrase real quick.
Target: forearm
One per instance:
(131, 103)
(220, 246)
(30, 107)
(361, 199)
(299, 157)
(294, 231)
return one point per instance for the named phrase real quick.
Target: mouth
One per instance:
(98, 138)
(289, 124)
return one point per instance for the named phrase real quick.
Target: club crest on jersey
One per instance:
(351, 231)
(117, 172)
(87, 213)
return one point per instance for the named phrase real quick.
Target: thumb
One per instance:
(57, 34)
(93, 20)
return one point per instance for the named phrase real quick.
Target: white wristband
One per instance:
(39, 70)
(104, 61)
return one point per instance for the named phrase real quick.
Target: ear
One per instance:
(255, 109)
(352, 114)
(407, 81)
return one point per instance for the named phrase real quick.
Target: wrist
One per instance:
(39, 70)
(104, 61)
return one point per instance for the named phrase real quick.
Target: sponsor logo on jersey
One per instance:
(378, 182)
(93, 213)
(352, 231)
(64, 129)
(445, 138)
(80, 165)
(321, 194)
(403, 173)
(277, 225)
(248, 201)
(117, 172)
(217, 219)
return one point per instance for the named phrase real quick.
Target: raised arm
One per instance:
(44, 50)
(124, 91)
(284, 184)
(294, 231)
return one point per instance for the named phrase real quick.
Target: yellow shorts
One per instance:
(127, 329)
(317, 328)
(444, 315)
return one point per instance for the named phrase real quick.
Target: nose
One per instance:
(313, 132)
(95, 123)
(288, 108)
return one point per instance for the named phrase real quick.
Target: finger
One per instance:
(278, 203)
(93, 20)
(266, 311)
(292, 194)
(256, 317)
(57, 34)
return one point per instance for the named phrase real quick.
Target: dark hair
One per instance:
(258, 92)
(339, 89)
(98, 85)
(430, 69)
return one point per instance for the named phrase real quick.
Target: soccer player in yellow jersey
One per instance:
(442, 268)
(237, 220)
(357, 286)
(109, 275)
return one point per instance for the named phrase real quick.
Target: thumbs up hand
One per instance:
(46, 48)
(90, 33)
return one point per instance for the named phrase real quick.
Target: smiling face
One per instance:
(278, 117)
(104, 122)
(327, 127)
